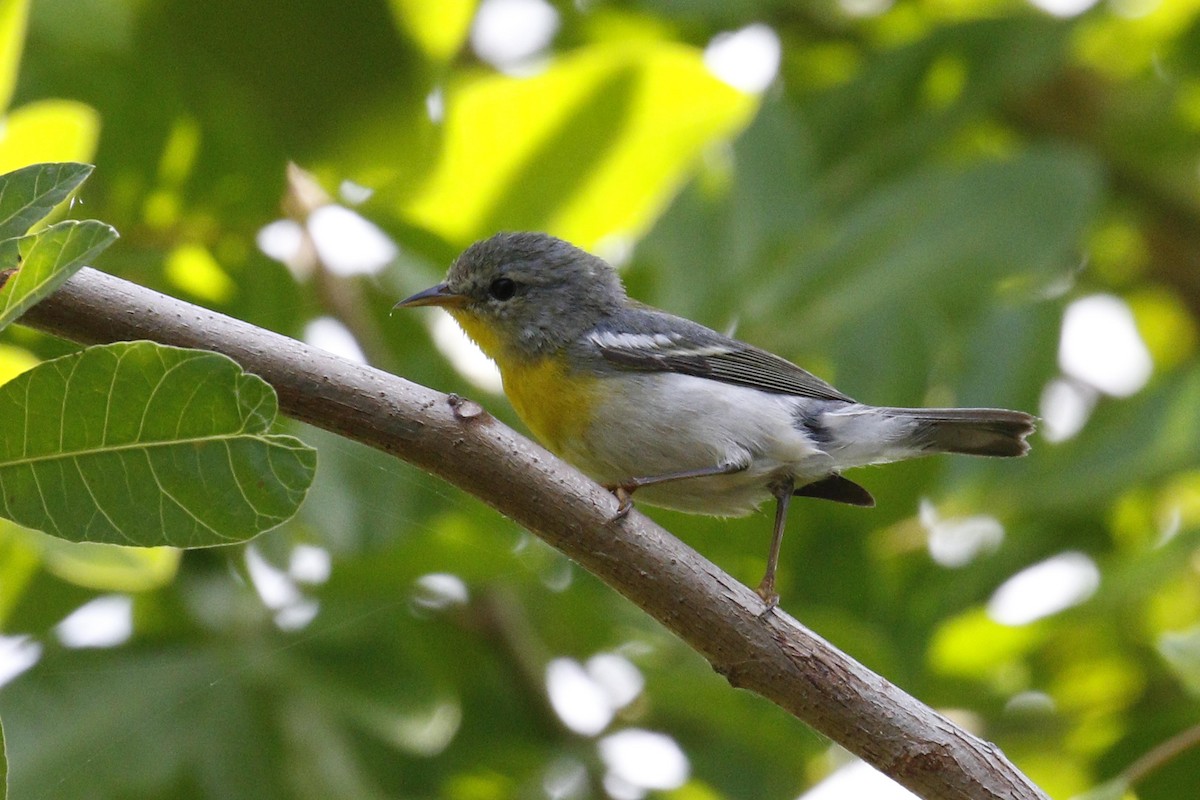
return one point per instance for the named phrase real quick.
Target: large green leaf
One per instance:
(139, 444)
(942, 234)
(47, 260)
(29, 194)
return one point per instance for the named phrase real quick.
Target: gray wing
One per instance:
(655, 341)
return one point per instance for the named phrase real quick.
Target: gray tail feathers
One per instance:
(973, 431)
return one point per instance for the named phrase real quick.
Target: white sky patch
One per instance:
(579, 701)
(865, 8)
(1063, 8)
(1046, 588)
(507, 33)
(566, 779)
(437, 591)
(621, 681)
(17, 654)
(1134, 9)
(746, 59)
(1065, 407)
(1100, 345)
(279, 592)
(347, 243)
(333, 337)
(355, 193)
(281, 240)
(616, 249)
(639, 761)
(858, 780)
(435, 105)
(297, 616)
(558, 575)
(273, 585)
(957, 541)
(310, 564)
(463, 355)
(104, 622)
(1030, 702)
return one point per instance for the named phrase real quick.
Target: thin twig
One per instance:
(1161, 754)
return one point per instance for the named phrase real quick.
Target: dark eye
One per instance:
(503, 288)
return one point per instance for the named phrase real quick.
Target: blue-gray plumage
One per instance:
(648, 402)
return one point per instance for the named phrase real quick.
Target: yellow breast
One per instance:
(554, 401)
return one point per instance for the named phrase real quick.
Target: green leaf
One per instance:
(29, 194)
(139, 444)
(905, 244)
(46, 260)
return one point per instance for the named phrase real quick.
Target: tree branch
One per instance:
(772, 655)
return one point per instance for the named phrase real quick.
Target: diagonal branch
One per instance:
(772, 655)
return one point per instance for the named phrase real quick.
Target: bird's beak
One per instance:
(440, 295)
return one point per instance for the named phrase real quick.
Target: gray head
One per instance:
(528, 292)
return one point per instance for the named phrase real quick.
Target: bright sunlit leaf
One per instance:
(14, 361)
(192, 268)
(439, 28)
(592, 147)
(107, 567)
(972, 645)
(19, 561)
(14, 14)
(48, 130)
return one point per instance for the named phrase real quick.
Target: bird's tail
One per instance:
(973, 431)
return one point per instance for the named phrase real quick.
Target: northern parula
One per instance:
(690, 419)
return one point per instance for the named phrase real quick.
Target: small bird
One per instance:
(644, 401)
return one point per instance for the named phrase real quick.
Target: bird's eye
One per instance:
(503, 288)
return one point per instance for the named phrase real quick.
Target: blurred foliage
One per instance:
(907, 210)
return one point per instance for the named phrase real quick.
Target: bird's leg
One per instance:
(766, 588)
(625, 489)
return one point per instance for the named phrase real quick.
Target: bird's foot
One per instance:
(624, 495)
(766, 592)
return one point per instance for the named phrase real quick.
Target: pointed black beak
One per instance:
(440, 295)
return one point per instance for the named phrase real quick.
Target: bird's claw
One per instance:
(766, 592)
(624, 495)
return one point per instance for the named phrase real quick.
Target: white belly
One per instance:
(663, 423)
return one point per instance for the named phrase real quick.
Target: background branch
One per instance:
(772, 655)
